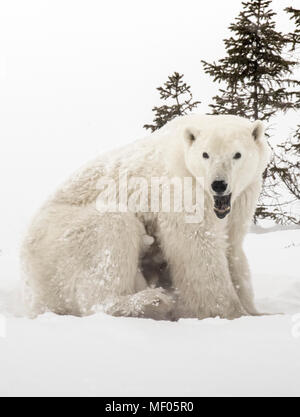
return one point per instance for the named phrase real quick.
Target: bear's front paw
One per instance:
(156, 304)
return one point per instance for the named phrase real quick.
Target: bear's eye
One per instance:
(205, 155)
(238, 155)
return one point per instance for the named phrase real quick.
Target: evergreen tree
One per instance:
(284, 174)
(289, 160)
(256, 75)
(294, 36)
(179, 101)
(285, 166)
(288, 164)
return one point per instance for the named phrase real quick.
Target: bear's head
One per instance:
(228, 153)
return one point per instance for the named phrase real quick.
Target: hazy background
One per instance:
(79, 77)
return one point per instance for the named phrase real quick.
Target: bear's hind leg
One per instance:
(109, 278)
(78, 261)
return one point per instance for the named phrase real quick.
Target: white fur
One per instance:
(78, 259)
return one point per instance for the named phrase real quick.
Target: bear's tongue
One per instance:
(222, 205)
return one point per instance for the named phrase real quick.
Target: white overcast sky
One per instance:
(88, 69)
(79, 77)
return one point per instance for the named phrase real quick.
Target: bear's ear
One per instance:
(257, 130)
(190, 135)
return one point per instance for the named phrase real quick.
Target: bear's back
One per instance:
(140, 159)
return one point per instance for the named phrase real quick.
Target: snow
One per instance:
(106, 356)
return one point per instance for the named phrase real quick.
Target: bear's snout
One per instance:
(219, 187)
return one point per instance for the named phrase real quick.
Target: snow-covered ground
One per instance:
(105, 356)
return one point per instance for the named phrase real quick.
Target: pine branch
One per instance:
(174, 89)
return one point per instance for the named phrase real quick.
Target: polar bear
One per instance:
(80, 259)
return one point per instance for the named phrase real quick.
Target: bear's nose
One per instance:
(219, 186)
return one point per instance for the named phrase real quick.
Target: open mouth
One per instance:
(222, 205)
